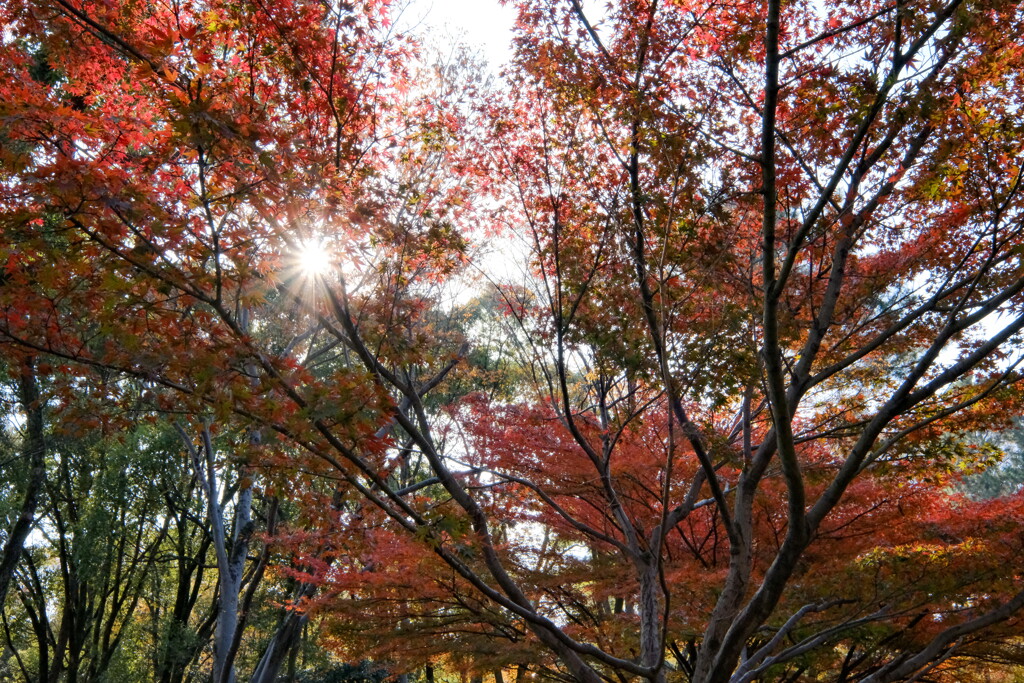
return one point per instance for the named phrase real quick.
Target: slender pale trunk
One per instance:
(230, 586)
(230, 557)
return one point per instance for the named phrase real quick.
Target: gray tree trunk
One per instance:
(230, 557)
(276, 654)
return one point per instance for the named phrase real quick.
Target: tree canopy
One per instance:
(661, 355)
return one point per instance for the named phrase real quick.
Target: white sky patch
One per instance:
(483, 25)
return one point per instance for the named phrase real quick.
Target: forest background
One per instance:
(685, 347)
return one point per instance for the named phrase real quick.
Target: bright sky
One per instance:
(481, 24)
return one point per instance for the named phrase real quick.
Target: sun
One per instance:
(314, 259)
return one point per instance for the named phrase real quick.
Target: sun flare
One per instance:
(314, 259)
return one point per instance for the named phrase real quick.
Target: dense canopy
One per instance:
(670, 351)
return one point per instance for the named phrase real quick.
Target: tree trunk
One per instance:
(651, 647)
(284, 640)
(230, 558)
(34, 450)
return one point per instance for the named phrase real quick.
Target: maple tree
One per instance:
(774, 291)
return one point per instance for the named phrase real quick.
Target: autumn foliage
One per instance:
(766, 317)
